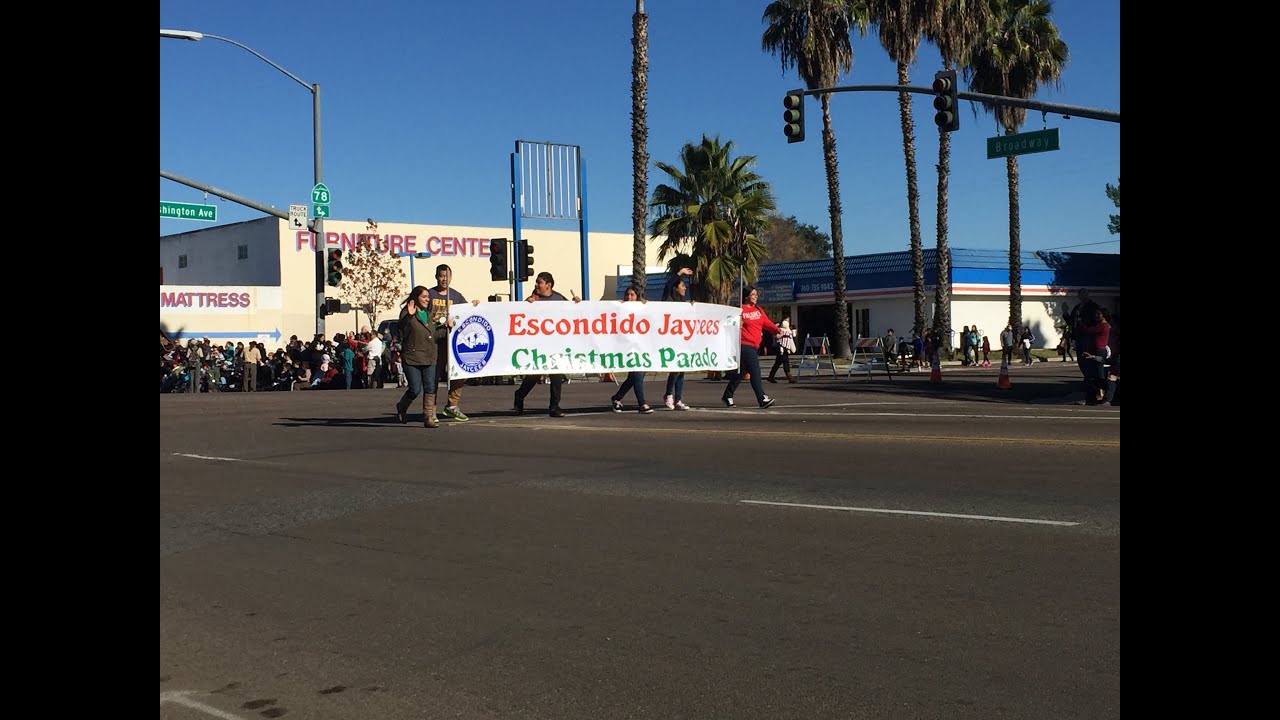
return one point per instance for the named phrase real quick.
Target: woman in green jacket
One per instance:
(418, 337)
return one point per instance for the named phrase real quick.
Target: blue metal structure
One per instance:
(548, 182)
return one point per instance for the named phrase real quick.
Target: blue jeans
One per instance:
(750, 363)
(420, 377)
(635, 380)
(675, 385)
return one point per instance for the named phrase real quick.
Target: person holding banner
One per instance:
(543, 291)
(635, 379)
(418, 336)
(753, 321)
(676, 290)
(443, 298)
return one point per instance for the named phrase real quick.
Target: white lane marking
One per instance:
(775, 410)
(854, 404)
(207, 457)
(180, 697)
(914, 512)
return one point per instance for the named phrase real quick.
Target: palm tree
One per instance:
(899, 24)
(639, 140)
(1019, 51)
(953, 26)
(814, 37)
(710, 214)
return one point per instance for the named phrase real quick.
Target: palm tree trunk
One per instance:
(639, 141)
(942, 261)
(913, 201)
(1015, 247)
(842, 349)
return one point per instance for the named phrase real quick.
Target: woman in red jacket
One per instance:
(753, 321)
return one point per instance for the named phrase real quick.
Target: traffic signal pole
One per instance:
(516, 230)
(1055, 108)
(318, 227)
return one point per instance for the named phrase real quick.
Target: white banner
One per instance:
(527, 338)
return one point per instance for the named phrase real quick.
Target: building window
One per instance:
(242, 252)
(182, 261)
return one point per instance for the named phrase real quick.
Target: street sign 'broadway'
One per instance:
(1022, 144)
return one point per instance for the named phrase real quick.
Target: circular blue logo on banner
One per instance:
(472, 343)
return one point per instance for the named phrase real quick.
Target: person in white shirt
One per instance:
(373, 361)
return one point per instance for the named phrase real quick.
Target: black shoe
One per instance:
(519, 405)
(556, 412)
(400, 414)
(728, 401)
(770, 379)
(766, 402)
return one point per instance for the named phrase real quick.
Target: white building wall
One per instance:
(891, 312)
(213, 259)
(1041, 311)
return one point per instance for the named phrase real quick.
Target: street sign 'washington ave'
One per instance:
(188, 211)
(1022, 144)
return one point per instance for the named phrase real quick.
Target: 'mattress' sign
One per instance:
(544, 337)
(218, 299)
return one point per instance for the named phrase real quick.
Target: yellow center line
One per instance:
(793, 434)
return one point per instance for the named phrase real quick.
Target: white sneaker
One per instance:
(669, 401)
(681, 406)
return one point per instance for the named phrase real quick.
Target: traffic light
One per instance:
(332, 305)
(333, 268)
(524, 263)
(947, 103)
(498, 259)
(793, 116)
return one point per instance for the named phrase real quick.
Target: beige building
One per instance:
(255, 280)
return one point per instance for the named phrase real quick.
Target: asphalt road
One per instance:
(320, 560)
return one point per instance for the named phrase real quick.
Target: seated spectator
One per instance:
(301, 378)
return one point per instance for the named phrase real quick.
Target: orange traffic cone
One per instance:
(1003, 382)
(607, 377)
(935, 372)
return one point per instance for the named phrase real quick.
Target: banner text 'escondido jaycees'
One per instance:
(523, 338)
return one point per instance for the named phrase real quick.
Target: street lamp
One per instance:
(314, 88)
(412, 257)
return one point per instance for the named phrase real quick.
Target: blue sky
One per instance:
(421, 103)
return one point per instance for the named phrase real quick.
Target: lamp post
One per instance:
(317, 226)
(412, 257)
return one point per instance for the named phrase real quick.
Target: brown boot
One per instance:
(791, 378)
(429, 412)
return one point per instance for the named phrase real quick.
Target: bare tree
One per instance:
(372, 278)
